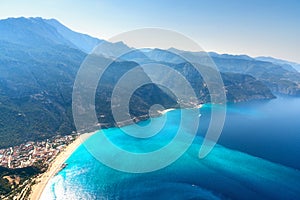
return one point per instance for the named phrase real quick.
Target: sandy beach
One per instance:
(170, 109)
(55, 166)
(165, 111)
(42, 180)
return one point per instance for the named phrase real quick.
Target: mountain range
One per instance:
(39, 60)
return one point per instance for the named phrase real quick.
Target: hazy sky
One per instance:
(253, 27)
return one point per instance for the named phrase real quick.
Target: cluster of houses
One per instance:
(27, 154)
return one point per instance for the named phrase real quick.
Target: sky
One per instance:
(252, 27)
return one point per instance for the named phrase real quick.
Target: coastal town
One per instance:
(28, 154)
(33, 160)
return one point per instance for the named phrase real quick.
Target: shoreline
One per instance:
(165, 111)
(42, 180)
(162, 112)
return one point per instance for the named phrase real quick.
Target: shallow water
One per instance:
(269, 130)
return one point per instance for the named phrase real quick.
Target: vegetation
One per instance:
(38, 67)
(10, 179)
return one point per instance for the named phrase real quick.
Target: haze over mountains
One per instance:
(285, 64)
(39, 59)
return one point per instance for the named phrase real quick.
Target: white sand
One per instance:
(55, 166)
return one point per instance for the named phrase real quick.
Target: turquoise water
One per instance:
(226, 173)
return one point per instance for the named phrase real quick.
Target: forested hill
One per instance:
(39, 60)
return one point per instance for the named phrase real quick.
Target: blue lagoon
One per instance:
(256, 158)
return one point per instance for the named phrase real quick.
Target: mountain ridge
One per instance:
(83, 42)
(38, 70)
(285, 63)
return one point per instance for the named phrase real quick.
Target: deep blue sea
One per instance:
(257, 157)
